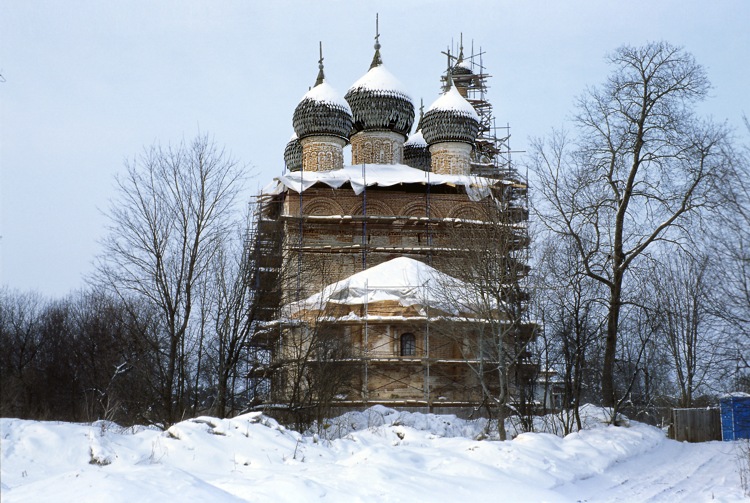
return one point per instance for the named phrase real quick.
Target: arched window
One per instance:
(408, 345)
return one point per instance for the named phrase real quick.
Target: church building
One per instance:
(395, 278)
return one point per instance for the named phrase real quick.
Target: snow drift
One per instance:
(381, 455)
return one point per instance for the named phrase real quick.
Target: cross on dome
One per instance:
(376, 59)
(321, 76)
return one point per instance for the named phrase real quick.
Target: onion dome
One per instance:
(378, 100)
(293, 154)
(322, 111)
(450, 118)
(462, 68)
(416, 153)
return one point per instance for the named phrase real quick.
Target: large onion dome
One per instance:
(322, 111)
(293, 154)
(450, 118)
(379, 101)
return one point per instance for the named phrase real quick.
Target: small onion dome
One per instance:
(416, 153)
(379, 102)
(462, 75)
(322, 111)
(293, 154)
(450, 118)
(462, 68)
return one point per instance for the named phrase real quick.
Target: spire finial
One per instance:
(377, 32)
(448, 76)
(321, 76)
(421, 114)
(461, 49)
(376, 60)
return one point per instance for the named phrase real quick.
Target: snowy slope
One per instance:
(382, 456)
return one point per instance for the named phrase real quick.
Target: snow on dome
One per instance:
(380, 79)
(379, 102)
(416, 140)
(405, 280)
(464, 64)
(452, 100)
(322, 111)
(450, 119)
(416, 153)
(325, 93)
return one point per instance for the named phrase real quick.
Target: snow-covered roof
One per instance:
(381, 175)
(380, 79)
(453, 101)
(325, 93)
(404, 280)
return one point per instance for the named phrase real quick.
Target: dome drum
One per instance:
(322, 153)
(377, 147)
(450, 158)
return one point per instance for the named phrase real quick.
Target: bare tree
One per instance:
(570, 306)
(175, 206)
(233, 309)
(22, 338)
(730, 236)
(642, 164)
(492, 330)
(686, 322)
(317, 360)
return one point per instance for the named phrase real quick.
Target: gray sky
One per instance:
(88, 84)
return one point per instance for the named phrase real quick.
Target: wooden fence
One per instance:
(695, 425)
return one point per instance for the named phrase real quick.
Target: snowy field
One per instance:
(379, 455)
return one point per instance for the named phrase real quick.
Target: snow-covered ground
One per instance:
(380, 455)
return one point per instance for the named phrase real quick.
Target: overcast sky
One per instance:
(88, 84)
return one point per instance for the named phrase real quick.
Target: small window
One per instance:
(408, 345)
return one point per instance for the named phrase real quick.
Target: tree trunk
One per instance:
(609, 398)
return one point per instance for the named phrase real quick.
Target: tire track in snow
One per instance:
(671, 472)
